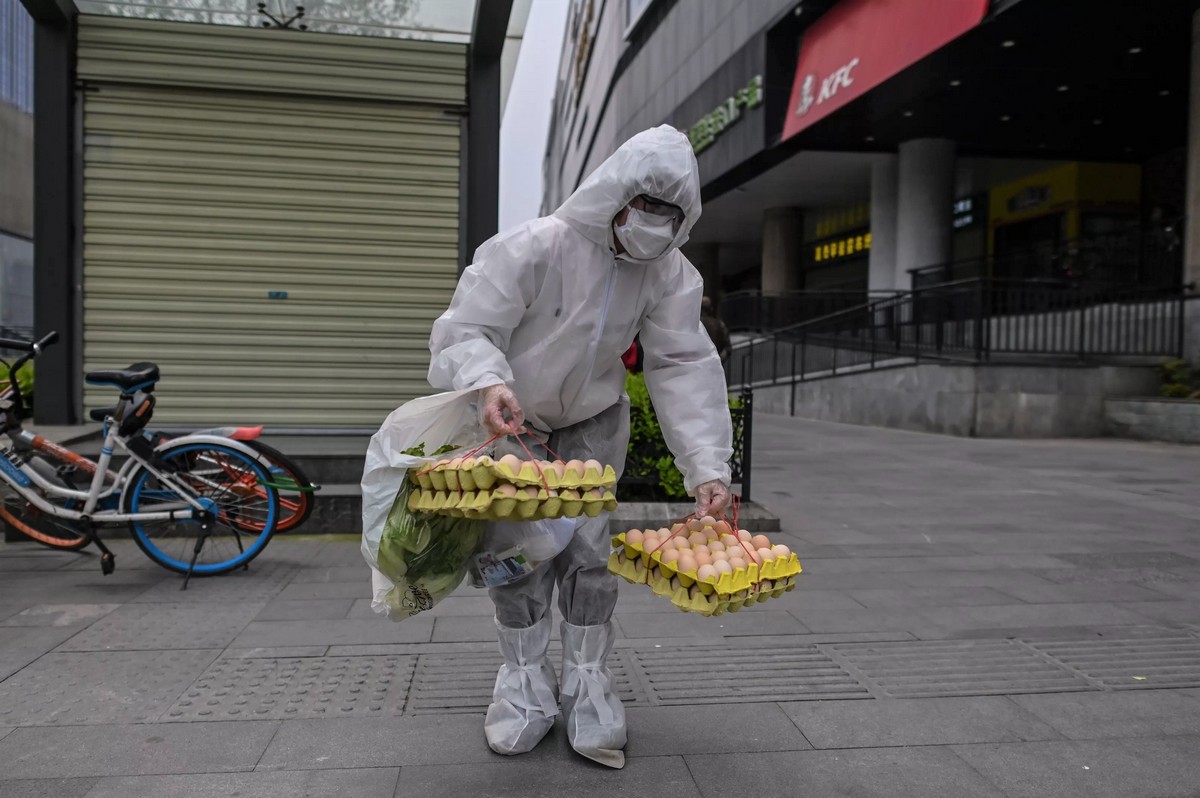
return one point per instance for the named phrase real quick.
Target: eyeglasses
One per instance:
(659, 208)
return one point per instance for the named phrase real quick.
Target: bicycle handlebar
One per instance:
(32, 347)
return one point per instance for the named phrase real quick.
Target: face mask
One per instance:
(645, 237)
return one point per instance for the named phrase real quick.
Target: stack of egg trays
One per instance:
(479, 493)
(729, 592)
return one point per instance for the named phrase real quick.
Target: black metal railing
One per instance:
(969, 321)
(1150, 257)
(756, 311)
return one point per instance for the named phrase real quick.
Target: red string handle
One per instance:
(544, 444)
(471, 453)
(535, 462)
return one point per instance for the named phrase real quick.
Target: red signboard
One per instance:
(859, 44)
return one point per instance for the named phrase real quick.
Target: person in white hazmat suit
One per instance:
(538, 324)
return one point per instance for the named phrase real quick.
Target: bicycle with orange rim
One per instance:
(198, 504)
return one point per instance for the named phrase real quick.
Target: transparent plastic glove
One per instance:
(712, 497)
(500, 411)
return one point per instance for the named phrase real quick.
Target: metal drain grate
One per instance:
(729, 674)
(297, 687)
(463, 682)
(914, 669)
(1167, 661)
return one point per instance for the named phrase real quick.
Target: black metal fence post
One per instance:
(747, 442)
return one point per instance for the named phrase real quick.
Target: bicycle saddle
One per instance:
(137, 377)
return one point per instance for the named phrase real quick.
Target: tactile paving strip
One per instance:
(151, 627)
(915, 669)
(728, 674)
(98, 687)
(464, 682)
(297, 687)
(1166, 661)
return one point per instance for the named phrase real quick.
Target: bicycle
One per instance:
(188, 496)
(295, 489)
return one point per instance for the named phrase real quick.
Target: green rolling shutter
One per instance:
(270, 217)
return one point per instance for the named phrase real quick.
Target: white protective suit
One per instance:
(548, 308)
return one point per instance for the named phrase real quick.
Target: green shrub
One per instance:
(1180, 380)
(649, 457)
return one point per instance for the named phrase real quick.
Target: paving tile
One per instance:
(46, 788)
(661, 777)
(262, 582)
(1169, 612)
(864, 773)
(1018, 615)
(331, 573)
(305, 610)
(1076, 594)
(1165, 767)
(378, 742)
(926, 721)
(862, 619)
(751, 728)
(362, 783)
(453, 606)
(334, 632)
(971, 562)
(464, 629)
(133, 750)
(21, 645)
(99, 687)
(360, 588)
(1133, 559)
(21, 564)
(59, 615)
(164, 626)
(931, 597)
(754, 621)
(275, 651)
(1097, 715)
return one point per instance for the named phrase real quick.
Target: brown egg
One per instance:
(760, 542)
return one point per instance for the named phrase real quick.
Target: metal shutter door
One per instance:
(204, 208)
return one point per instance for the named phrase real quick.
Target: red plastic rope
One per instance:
(471, 453)
(535, 462)
(544, 444)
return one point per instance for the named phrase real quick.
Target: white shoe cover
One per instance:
(524, 701)
(595, 716)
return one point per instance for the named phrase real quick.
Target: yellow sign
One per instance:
(851, 245)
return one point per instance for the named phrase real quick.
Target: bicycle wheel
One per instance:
(296, 500)
(49, 530)
(38, 525)
(231, 484)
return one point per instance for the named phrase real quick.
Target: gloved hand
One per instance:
(495, 401)
(712, 497)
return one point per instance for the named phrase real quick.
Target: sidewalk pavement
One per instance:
(976, 618)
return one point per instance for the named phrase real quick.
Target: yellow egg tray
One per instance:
(487, 473)
(727, 593)
(493, 505)
(694, 598)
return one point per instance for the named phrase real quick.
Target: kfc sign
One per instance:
(842, 78)
(859, 44)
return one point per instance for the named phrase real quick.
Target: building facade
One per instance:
(16, 167)
(853, 147)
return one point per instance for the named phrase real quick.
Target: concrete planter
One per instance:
(1153, 419)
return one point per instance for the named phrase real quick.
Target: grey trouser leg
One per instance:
(587, 592)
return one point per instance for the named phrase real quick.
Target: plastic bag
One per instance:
(416, 560)
(511, 550)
